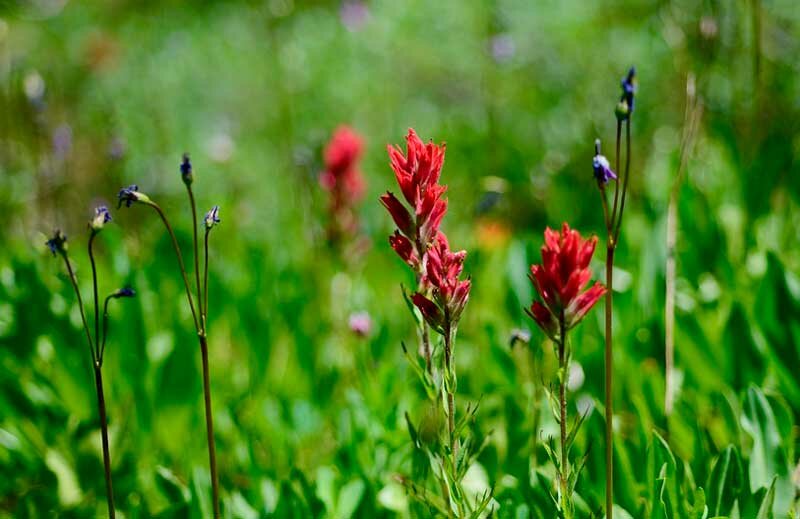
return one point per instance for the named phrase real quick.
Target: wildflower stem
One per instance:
(426, 340)
(105, 329)
(562, 400)
(180, 261)
(616, 184)
(625, 182)
(196, 256)
(205, 277)
(448, 358)
(609, 360)
(212, 451)
(101, 404)
(80, 303)
(96, 299)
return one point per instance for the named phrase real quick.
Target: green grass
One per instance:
(310, 418)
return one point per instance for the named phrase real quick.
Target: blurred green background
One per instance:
(309, 416)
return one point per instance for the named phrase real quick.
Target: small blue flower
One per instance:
(625, 106)
(58, 243)
(602, 168)
(129, 195)
(101, 217)
(124, 292)
(186, 169)
(212, 217)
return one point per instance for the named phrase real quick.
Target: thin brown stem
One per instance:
(205, 278)
(196, 256)
(212, 451)
(180, 262)
(618, 222)
(80, 303)
(609, 362)
(101, 405)
(616, 184)
(105, 330)
(96, 299)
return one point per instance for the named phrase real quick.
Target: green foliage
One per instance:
(313, 420)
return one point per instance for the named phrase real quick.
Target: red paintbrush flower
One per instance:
(417, 172)
(343, 180)
(341, 175)
(561, 277)
(450, 294)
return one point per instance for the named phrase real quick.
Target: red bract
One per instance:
(417, 172)
(450, 294)
(561, 277)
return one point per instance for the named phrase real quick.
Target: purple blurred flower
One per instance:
(601, 166)
(502, 47)
(354, 14)
(62, 140)
(212, 217)
(360, 323)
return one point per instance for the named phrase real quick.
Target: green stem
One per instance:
(451, 423)
(562, 400)
(101, 405)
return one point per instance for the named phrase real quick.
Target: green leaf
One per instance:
(765, 510)
(725, 482)
(768, 465)
(350, 496)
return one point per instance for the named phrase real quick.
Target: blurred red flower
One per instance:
(343, 180)
(561, 277)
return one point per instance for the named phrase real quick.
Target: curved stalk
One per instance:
(180, 261)
(204, 311)
(80, 303)
(196, 256)
(96, 298)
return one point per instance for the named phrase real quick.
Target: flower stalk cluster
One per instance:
(560, 281)
(613, 211)
(97, 342)
(198, 304)
(440, 298)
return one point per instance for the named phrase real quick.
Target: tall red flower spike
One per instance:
(343, 179)
(341, 175)
(417, 172)
(450, 294)
(561, 277)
